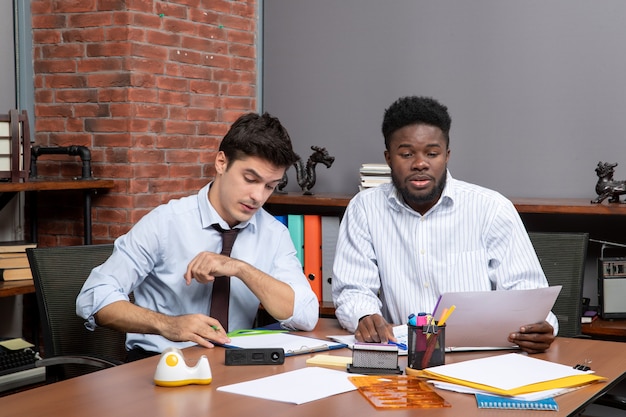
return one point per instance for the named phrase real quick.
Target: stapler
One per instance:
(172, 370)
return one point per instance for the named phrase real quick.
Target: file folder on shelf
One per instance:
(313, 252)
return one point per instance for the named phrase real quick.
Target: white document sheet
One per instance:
(297, 387)
(484, 319)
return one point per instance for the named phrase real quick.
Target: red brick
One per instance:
(139, 156)
(171, 142)
(66, 81)
(106, 125)
(109, 49)
(54, 111)
(172, 83)
(171, 10)
(48, 21)
(149, 51)
(99, 64)
(77, 96)
(114, 79)
(46, 67)
(111, 5)
(155, 37)
(185, 171)
(83, 20)
(84, 35)
(74, 6)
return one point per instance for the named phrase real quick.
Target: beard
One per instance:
(414, 199)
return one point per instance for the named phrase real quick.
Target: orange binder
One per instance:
(313, 252)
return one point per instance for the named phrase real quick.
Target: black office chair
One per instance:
(562, 257)
(69, 348)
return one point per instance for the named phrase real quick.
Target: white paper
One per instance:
(486, 318)
(532, 396)
(297, 387)
(506, 372)
(291, 343)
(400, 332)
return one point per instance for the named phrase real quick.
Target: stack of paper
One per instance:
(511, 374)
(373, 175)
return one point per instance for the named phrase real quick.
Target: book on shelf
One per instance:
(14, 260)
(373, 175)
(16, 274)
(589, 316)
(16, 246)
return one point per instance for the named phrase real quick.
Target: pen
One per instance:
(400, 345)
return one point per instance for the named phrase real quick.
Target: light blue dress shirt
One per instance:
(472, 240)
(151, 260)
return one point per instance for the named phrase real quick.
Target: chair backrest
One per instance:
(562, 257)
(59, 274)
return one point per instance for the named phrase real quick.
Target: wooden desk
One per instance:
(9, 189)
(606, 329)
(128, 390)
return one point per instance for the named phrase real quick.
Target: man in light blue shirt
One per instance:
(170, 258)
(402, 245)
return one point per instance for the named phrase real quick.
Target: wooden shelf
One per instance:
(297, 202)
(10, 288)
(606, 329)
(55, 185)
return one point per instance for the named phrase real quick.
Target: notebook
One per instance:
(483, 320)
(507, 403)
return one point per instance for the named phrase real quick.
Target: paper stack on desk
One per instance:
(511, 374)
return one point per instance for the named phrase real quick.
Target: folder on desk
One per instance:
(510, 374)
(291, 343)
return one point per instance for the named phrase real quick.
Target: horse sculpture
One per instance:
(306, 174)
(606, 186)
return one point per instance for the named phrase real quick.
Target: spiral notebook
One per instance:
(507, 403)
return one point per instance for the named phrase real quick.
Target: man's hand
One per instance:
(374, 328)
(196, 328)
(208, 265)
(534, 338)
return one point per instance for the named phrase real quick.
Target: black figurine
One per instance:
(306, 174)
(606, 186)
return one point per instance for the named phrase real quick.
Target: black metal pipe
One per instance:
(74, 150)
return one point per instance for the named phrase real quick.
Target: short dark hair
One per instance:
(257, 135)
(413, 110)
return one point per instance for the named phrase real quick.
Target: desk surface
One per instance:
(128, 390)
(10, 288)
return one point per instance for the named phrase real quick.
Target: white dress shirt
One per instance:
(151, 260)
(393, 261)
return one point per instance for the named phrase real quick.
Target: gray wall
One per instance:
(536, 89)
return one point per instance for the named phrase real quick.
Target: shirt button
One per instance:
(426, 285)
(422, 251)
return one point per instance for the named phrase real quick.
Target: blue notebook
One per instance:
(506, 403)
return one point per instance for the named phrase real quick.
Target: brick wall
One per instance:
(150, 87)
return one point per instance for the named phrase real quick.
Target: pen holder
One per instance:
(427, 346)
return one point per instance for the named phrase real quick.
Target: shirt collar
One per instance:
(209, 215)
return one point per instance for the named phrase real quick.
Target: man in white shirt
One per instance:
(401, 245)
(170, 260)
